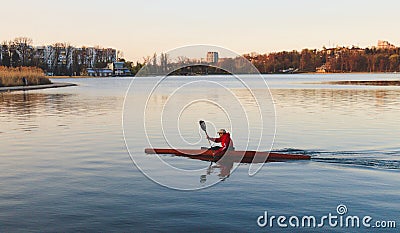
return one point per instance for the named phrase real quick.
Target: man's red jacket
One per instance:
(226, 143)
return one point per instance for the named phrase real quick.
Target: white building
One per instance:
(212, 57)
(382, 44)
(119, 69)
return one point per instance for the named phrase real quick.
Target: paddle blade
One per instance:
(203, 126)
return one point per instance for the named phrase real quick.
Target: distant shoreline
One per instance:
(36, 87)
(367, 83)
(66, 76)
(311, 73)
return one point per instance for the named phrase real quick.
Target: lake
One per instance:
(72, 159)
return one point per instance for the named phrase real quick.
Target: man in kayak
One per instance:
(225, 140)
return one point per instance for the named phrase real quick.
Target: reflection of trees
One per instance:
(334, 98)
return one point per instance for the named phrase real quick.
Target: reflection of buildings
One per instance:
(24, 105)
(212, 57)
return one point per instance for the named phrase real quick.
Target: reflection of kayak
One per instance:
(233, 155)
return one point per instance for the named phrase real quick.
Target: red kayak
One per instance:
(233, 155)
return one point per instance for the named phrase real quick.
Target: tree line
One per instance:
(64, 59)
(333, 60)
(340, 59)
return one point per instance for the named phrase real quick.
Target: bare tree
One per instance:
(182, 60)
(146, 60)
(69, 57)
(5, 59)
(120, 54)
(23, 47)
(59, 59)
(164, 62)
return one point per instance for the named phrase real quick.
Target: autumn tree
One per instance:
(394, 61)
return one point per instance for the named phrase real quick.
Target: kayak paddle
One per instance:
(204, 128)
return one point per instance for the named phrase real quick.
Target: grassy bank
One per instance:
(22, 76)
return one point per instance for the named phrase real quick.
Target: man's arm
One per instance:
(214, 139)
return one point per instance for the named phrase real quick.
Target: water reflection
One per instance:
(337, 98)
(23, 111)
(72, 168)
(39, 120)
(222, 168)
(30, 104)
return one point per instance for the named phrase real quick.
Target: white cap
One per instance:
(222, 131)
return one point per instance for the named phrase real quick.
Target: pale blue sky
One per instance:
(140, 28)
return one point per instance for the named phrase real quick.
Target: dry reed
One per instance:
(15, 76)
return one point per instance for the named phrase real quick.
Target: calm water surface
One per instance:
(64, 164)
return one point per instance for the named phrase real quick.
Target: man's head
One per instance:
(221, 132)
